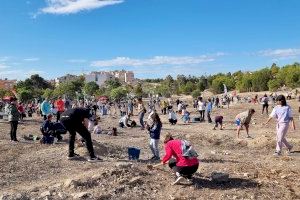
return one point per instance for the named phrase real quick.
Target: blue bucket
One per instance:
(133, 153)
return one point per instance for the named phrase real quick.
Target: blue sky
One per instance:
(153, 38)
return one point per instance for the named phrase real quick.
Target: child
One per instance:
(186, 116)
(172, 116)
(97, 128)
(283, 114)
(47, 130)
(218, 120)
(244, 119)
(154, 132)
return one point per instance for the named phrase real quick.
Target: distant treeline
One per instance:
(269, 78)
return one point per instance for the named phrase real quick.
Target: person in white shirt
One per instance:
(124, 121)
(283, 114)
(201, 108)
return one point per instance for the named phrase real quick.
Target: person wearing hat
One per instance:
(77, 120)
(283, 114)
(13, 118)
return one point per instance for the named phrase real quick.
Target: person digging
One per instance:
(185, 163)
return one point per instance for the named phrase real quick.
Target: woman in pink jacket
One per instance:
(185, 163)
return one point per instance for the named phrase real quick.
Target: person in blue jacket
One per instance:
(154, 131)
(45, 108)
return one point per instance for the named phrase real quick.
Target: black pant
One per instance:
(45, 117)
(13, 130)
(58, 116)
(173, 121)
(265, 106)
(201, 112)
(73, 127)
(186, 172)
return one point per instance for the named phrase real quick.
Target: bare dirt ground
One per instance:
(29, 170)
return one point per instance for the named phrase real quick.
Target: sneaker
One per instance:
(289, 151)
(178, 180)
(95, 159)
(73, 157)
(277, 154)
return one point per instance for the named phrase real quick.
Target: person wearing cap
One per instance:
(283, 114)
(244, 119)
(13, 118)
(77, 120)
(60, 105)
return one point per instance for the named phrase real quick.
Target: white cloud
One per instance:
(280, 53)
(155, 61)
(4, 66)
(31, 59)
(19, 74)
(60, 7)
(76, 61)
(4, 59)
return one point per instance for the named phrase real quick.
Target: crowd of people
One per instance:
(82, 117)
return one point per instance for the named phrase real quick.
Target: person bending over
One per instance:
(186, 162)
(76, 120)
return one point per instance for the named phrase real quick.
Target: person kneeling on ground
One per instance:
(172, 116)
(48, 131)
(76, 120)
(218, 120)
(244, 119)
(186, 163)
(124, 121)
(154, 131)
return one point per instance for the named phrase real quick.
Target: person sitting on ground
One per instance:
(97, 128)
(124, 121)
(154, 132)
(172, 116)
(244, 119)
(218, 120)
(48, 131)
(185, 116)
(185, 163)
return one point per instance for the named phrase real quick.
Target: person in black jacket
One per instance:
(77, 120)
(154, 131)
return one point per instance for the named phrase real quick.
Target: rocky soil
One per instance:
(29, 170)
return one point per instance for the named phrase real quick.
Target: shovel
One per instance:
(152, 167)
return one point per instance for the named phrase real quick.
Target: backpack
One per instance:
(187, 150)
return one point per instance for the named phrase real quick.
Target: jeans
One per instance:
(78, 127)
(154, 147)
(208, 117)
(13, 130)
(141, 118)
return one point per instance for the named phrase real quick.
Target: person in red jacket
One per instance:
(60, 105)
(184, 166)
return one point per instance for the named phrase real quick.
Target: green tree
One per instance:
(196, 93)
(118, 93)
(48, 93)
(273, 85)
(90, 88)
(138, 90)
(113, 83)
(25, 95)
(219, 81)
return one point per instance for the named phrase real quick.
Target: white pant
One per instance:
(154, 147)
(282, 129)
